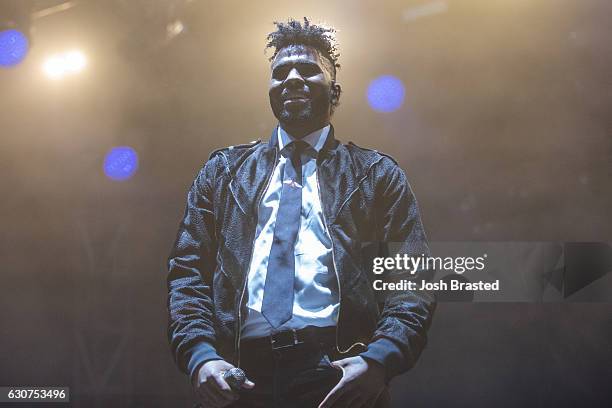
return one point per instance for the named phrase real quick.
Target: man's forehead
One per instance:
(296, 52)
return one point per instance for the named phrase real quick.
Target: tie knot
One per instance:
(296, 148)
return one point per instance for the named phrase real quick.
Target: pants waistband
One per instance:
(286, 340)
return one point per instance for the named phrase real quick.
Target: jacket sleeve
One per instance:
(401, 332)
(191, 265)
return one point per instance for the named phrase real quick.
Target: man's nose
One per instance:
(294, 78)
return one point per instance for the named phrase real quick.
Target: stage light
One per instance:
(54, 67)
(386, 93)
(120, 163)
(60, 65)
(13, 47)
(75, 61)
(174, 28)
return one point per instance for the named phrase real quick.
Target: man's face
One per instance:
(301, 86)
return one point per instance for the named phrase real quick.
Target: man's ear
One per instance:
(336, 91)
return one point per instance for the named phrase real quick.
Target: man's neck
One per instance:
(299, 132)
(315, 139)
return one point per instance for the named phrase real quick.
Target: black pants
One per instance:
(298, 377)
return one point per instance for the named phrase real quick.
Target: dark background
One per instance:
(505, 135)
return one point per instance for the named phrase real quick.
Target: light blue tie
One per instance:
(277, 304)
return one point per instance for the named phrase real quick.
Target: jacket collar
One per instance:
(329, 148)
(248, 182)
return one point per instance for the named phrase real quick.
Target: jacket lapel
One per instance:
(249, 176)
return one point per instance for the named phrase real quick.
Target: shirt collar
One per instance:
(315, 139)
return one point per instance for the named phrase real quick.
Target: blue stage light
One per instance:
(120, 163)
(13, 47)
(386, 93)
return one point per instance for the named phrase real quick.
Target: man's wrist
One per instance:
(201, 353)
(387, 354)
(376, 367)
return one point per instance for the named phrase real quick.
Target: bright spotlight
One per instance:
(54, 67)
(75, 61)
(120, 163)
(60, 65)
(174, 28)
(386, 93)
(13, 47)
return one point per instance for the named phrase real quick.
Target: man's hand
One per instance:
(210, 387)
(361, 383)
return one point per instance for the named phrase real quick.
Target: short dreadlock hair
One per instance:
(293, 32)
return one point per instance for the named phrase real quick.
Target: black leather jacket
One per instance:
(365, 197)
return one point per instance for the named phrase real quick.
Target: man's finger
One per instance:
(223, 389)
(339, 364)
(333, 395)
(213, 394)
(205, 397)
(210, 391)
(248, 384)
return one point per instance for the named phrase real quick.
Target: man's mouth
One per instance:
(295, 98)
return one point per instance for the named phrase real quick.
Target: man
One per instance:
(269, 270)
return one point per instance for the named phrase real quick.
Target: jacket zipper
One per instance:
(246, 278)
(337, 274)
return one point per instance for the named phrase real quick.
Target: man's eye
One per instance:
(309, 70)
(280, 74)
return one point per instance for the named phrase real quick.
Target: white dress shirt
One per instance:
(315, 287)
